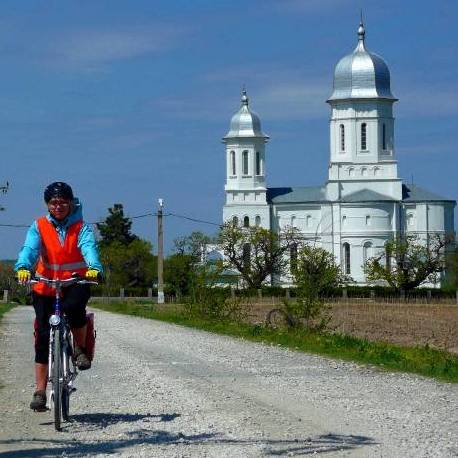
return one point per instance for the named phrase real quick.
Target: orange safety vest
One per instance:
(58, 261)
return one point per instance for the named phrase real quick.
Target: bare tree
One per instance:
(408, 261)
(256, 253)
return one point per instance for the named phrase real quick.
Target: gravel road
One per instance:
(159, 390)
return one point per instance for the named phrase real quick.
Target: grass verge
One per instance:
(425, 361)
(5, 308)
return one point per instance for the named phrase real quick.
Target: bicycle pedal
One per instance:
(73, 390)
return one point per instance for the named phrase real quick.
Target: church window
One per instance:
(364, 136)
(364, 172)
(342, 137)
(233, 169)
(384, 136)
(308, 221)
(246, 221)
(351, 172)
(376, 171)
(346, 258)
(293, 221)
(293, 257)
(368, 220)
(258, 163)
(344, 220)
(410, 219)
(367, 251)
(246, 256)
(235, 220)
(245, 162)
(257, 221)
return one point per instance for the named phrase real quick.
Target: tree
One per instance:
(116, 228)
(133, 265)
(256, 253)
(408, 262)
(452, 270)
(128, 260)
(315, 273)
(180, 268)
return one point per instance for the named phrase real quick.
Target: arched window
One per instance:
(257, 221)
(410, 219)
(364, 136)
(368, 220)
(246, 221)
(246, 256)
(233, 169)
(245, 162)
(367, 251)
(344, 220)
(384, 137)
(258, 163)
(235, 221)
(342, 137)
(351, 172)
(293, 257)
(376, 171)
(308, 221)
(346, 258)
(364, 172)
(293, 221)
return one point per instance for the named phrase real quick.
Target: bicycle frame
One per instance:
(61, 372)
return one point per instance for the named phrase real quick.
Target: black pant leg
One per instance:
(74, 304)
(44, 307)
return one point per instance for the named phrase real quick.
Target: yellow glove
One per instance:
(92, 275)
(23, 276)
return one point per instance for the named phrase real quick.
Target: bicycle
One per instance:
(62, 370)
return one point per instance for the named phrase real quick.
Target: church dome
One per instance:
(361, 74)
(245, 123)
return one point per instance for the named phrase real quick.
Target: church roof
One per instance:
(245, 123)
(361, 74)
(296, 194)
(413, 193)
(366, 195)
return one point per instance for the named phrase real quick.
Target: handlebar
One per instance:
(56, 283)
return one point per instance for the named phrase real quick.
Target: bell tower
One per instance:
(246, 169)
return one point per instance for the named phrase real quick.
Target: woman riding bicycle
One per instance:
(56, 246)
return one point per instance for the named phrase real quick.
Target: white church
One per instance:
(363, 203)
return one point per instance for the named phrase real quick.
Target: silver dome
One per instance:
(245, 123)
(361, 74)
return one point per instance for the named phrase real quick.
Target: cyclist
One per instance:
(56, 246)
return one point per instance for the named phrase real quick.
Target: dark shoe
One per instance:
(38, 401)
(81, 360)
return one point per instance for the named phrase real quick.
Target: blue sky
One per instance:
(128, 101)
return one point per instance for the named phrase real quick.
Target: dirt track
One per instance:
(158, 390)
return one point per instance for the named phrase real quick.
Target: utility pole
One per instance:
(4, 190)
(160, 254)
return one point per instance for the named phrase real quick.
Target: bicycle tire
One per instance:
(65, 391)
(57, 379)
(278, 318)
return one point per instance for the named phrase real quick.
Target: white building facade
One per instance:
(364, 203)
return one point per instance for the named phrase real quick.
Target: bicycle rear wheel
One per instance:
(57, 378)
(278, 318)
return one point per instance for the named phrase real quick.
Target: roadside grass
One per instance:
(421, 360)
(5, 307)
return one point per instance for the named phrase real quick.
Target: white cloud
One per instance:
(92, 49)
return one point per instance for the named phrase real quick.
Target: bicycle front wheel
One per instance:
(65, 389)
(57, 378)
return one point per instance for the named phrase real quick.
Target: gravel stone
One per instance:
(160, 390)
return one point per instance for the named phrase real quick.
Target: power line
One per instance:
(192, 219)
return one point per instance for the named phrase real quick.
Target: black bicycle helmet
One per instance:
(58, 189)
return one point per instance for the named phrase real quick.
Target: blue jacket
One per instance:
(28, 256)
